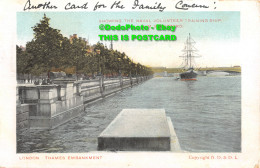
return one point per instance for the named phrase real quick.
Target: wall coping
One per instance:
(70, 80)
(47, 86)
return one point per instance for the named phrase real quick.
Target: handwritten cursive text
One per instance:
(142, 6)
(46, 5)
(184, 6)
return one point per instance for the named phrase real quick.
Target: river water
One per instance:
(206, 115)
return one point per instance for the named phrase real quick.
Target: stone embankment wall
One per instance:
(48, 106)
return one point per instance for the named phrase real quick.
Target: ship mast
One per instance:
(189, 53)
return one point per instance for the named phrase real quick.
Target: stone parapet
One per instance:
(28, 94)
(48, 93)
(22, 116)
(51, 105)
(92, 91)
(54, 104)
(67, 89)
(137, 130)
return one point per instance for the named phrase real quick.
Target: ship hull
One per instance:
(190, 75)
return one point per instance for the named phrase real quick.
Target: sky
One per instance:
(218, 42)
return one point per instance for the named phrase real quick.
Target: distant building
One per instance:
(158, 67)
(165, 74)
(75, 36)
(111, 45)
(22, 47)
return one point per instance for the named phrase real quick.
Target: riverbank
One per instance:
(48, 106)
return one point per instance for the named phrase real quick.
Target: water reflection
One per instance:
(190, 85)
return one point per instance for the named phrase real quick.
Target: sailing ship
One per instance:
(189, 53)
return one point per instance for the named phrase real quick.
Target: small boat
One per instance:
(188, 60)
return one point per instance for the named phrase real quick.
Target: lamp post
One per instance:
(135, 67)
(119, 69)
(119, 66)
(97, 51)
(100, 73)
(130, 72)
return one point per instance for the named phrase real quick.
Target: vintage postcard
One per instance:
(130, 83)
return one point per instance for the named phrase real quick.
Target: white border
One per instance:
(250, 43)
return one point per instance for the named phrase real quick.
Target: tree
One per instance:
(46, 46)
(49, 50)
